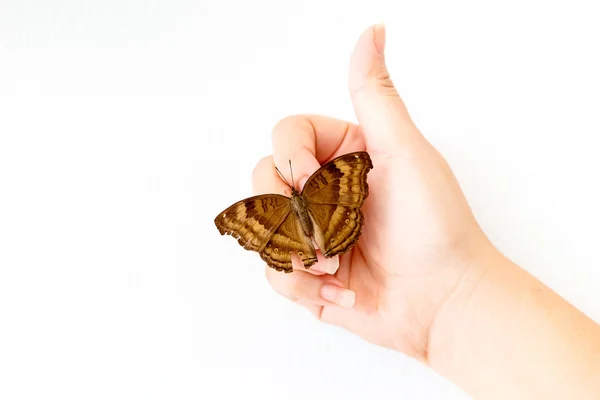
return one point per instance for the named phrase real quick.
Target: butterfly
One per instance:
(327, 211)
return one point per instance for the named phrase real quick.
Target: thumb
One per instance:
(380, 111)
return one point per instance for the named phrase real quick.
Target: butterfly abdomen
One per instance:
(302, 211)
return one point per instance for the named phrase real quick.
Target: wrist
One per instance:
(463, 319)
(504, 334)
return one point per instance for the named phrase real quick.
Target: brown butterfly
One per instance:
(327, 210)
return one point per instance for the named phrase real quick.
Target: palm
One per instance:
(394, 270)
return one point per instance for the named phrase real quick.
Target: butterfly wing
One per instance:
(265, 224)
(334, 195)
(287, 239)
(254, 220)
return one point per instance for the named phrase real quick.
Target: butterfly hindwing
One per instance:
(337, 227)
(334, 195)
(288, 239)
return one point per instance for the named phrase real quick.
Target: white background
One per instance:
(126, 126)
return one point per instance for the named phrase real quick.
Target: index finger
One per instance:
(307, 141)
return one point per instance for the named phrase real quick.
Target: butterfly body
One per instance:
(301, 210)
(327, 212)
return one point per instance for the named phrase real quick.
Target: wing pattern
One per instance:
(289, 239)
(337, 227)
(254, 220)
(334, 195)
(341, 181)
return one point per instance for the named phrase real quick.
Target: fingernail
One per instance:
(340, 296)
(331, 265)
(327, 265)
(379, 37)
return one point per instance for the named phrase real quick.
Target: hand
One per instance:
(420, 239)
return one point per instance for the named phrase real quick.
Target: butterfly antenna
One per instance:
(292, 174)
(283, 177)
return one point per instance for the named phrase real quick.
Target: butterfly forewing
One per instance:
(343, 180)
(254, 220)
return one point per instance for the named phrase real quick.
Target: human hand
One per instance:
(419, 241)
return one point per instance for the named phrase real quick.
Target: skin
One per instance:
(424, 279)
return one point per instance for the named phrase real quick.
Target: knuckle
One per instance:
(353, 132)
(286, 125)
(261, 166)
(268, 276)
(383, 83)
(275, 281)
(292, 287)
(278, 128)
(318, 313)
(379, 82)
(285, 285)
